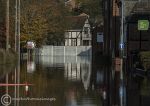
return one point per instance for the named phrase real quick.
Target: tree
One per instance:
(4, 25)
(2, 11)
(57, 20)
(91, 7)
(43, 20)
(34, 25)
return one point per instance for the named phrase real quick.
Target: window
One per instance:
(73, 42)
(86, 30)
(85, 43)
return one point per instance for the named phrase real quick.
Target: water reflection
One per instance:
(78, 72)
(122, 93)
(71, 97)
(30, 66)
(67, 81)
(138, 91)
(48, 61)
(71, 81)
(9, 84)
(6, 69)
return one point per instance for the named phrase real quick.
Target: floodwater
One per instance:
(69, 81)
(50, 81)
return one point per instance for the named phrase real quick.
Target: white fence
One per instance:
(65, 51)
(50, 60)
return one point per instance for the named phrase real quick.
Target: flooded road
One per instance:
(69, 81)
(51, 81)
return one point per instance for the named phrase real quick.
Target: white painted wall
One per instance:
(65, 50)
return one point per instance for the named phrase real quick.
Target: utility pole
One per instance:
(107, 16)
(18, 48)
(122, 38)
(16, 24)
(107, 51)
(19, 30)
(7, 25)
(122, 89)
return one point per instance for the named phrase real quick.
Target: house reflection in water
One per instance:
(78, 72)
(76, 68)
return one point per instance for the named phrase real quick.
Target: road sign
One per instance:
(100, 37)
(121, 45)
(30, 45)
(143, 25)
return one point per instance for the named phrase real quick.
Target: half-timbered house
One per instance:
(79, 33)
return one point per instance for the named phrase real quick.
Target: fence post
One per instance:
(52, 51)
(76, 54)
(64, 54)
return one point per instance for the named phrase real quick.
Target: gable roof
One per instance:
(76, 22)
